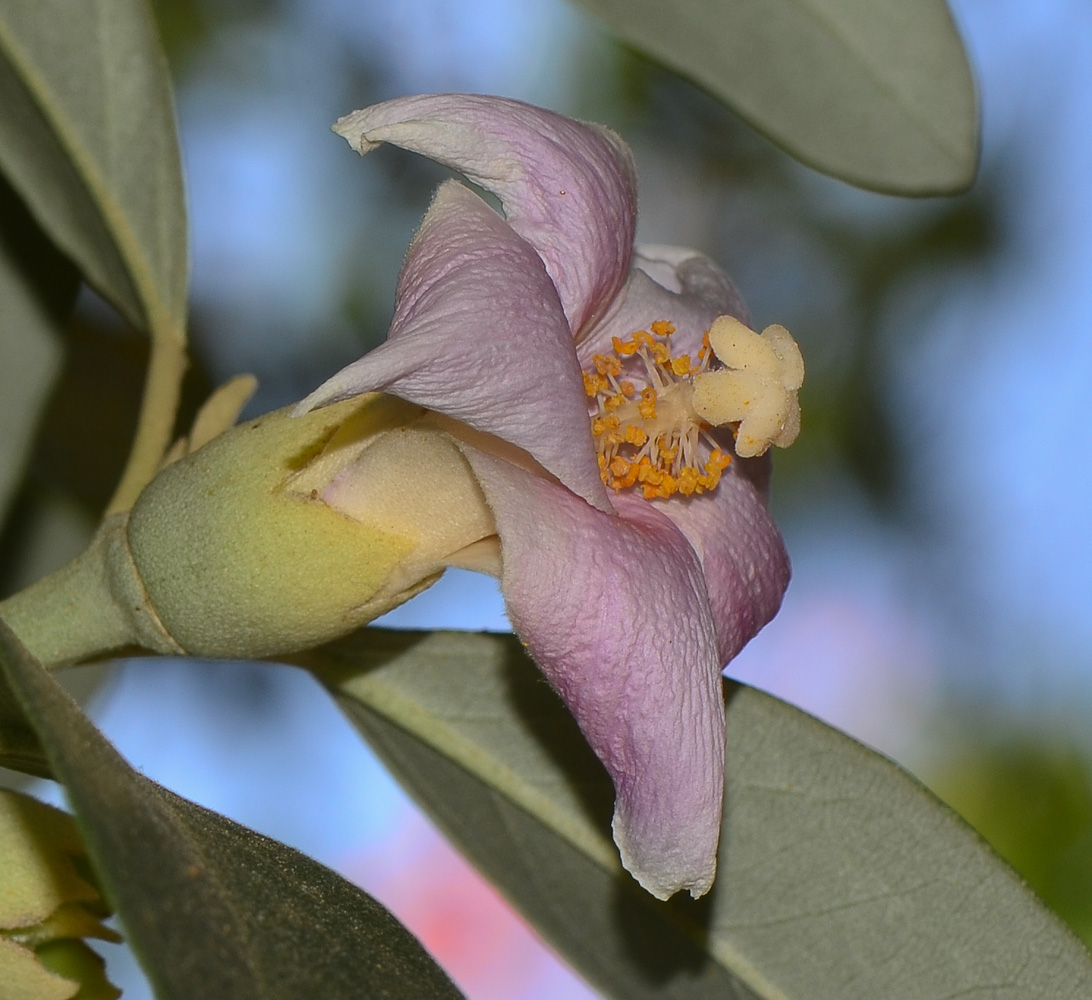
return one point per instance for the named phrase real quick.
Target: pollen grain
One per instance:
(646, 431)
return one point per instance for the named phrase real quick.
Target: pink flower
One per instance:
(636, 556)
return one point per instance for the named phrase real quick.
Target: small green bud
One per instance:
(242, 548)
(269, 537)
(46, 906)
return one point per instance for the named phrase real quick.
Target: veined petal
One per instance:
(479, 335)
(675, 284)
(615, 611)
(567, 187)
(741, 551)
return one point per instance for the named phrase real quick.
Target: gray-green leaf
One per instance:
(87, 136)
(840, 876)
(37, 289)
(876, 92)
(20, 749)
(212, 908)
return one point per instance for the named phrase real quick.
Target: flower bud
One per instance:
(244, 547)
(46, 906)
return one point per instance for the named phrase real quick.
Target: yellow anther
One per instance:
(602, 425)
(649, 431)
(647, 406)
(688, 480)
(627, 479)
(606, 365)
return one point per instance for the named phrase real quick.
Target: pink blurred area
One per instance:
(482, 943)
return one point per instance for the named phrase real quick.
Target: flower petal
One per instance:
(478, 334)
(615, 612)
(669, 283)
(742, 553)
(567, 187)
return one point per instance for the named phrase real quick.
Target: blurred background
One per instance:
(936, 504)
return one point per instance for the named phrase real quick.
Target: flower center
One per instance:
(651, 436)
(648, 435)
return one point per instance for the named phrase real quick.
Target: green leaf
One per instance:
(87, 136)
(214, 909)
(840, 876)
(37, 288)
(20, 749)
(876, 92)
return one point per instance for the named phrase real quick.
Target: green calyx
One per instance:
(236, 563)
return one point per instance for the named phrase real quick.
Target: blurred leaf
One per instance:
(212, 908)
(37, 288)
(44, 533)
(20, 748)
(876, 92)
(102, 375)
(1031, 798)
(840, 876)
(87, 136)
(87, 426)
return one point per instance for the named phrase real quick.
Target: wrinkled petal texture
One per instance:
(567, 187)
(743, 556)
(666, 283)
(478, 334)
(615, 611)
(741, 550)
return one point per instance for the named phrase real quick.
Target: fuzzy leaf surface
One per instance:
(37, 289)
(88, 138)
(211, 908)
(876, 92)
(840, 876)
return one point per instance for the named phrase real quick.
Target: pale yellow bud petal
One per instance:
(24, 975)
(285, 532)
(414, 482)
(235, 563)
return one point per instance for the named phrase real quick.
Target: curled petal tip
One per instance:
(351, 128)
(668, 875)
(567, 187)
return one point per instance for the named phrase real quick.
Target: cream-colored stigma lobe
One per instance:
(757, 387)
(655, 436)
